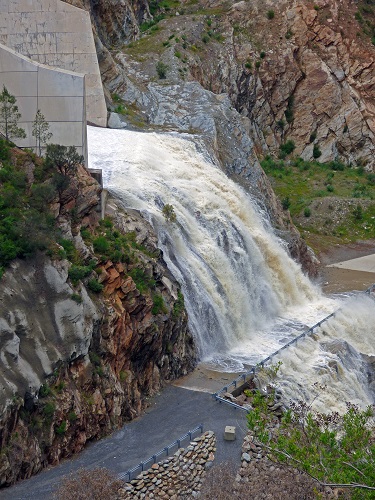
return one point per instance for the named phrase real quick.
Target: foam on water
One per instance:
(244, 295)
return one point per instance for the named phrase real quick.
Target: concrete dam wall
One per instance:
(57, 38)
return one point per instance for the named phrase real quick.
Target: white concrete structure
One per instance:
(58, 35)
(59, 94)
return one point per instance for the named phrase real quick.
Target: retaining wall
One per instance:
(177, 477)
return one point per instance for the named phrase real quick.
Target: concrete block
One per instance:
(229, 433)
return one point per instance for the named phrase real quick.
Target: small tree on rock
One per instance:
(64, 158)
(41, 131)
(9, 116)
(169, 213)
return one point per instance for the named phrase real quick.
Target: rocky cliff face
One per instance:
(293, 71)
(76, 363)
(306, 73)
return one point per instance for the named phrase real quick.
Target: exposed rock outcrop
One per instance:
(77, 364)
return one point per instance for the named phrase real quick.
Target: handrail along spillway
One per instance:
(217, 395)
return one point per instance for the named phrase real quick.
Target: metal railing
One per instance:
(242, 378)
(146, 464)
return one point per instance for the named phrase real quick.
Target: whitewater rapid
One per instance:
(244, 295)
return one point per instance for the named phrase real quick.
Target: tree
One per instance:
(64, 158)
(336, 450)
(40, 131)
(169, 213)
(9, 116)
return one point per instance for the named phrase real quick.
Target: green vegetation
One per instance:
(270, 14)
(179, 305)
(286, 149)
(169, 213)
(72, 416)
(25, 224)
(159, 306)
(61, 429)
(49, 409)
(95, 286)
(77, 273)
(9, 116)
(40, 131)
(334, 449)
(365, 15)
(316, 152)
(44, 391)
(289, 115)
(161, 69)
(142, 281)
(304, 181)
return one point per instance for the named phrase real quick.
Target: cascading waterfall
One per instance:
(243, 293)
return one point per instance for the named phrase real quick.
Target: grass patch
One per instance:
(302, 182)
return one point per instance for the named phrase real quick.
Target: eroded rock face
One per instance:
(314, 80)
(75, 364)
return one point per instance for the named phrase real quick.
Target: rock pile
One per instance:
(267, 479)
(179, 476)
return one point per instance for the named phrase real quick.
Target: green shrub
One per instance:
(161, 70)
(61, 429)
(205, 38)
(332, 448)
(289, 115)
(287, 148)
(285, 203)
(72, 416)
(358, 212)
(179, 305)
(95, 286)
(101, 245)
(330, 188)
(70, 249)
(44, 391)
(316, 152)
(77, 273)
(248, 65)
(169, 213)
(142, 281)
(307, 212)
(95, 358)
(49, 409)
(262, 55)
(4, 150)
(178, 54)
(258, 64)
(270, 14)
(313, 136)
(159, 306)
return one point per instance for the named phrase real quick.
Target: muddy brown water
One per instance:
(332, 280)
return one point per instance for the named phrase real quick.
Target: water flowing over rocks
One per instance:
(177, 477)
